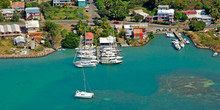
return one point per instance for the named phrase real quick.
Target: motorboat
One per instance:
(177, 46)
(182, 44)
(215, 54)
(170, 34)
(186, 40)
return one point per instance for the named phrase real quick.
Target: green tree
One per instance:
(50, 26)
(184, 17)
(15, 17)
(64, 32)
(70, 41)
(218, 28)
(178, 15)
(122, 32)
(138, 18)
(28, 5)
(151, 35)
(5, 3)
(47, 44)
(196, 25)
(2, 18)
(199, 5)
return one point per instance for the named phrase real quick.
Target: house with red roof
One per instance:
(89, 38)
(18, 6)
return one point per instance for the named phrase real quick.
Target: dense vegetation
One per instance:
(62, 13)
(4, 4)
(71, 40)
(113, 9)
(196, 25)
(53, 30)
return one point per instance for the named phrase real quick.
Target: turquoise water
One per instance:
(49, 83)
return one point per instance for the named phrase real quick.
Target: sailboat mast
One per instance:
(84, 79)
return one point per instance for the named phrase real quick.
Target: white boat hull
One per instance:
(84, 95)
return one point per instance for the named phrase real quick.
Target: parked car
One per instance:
(116, 22)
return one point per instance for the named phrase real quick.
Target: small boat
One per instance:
(170, 34)
(176, 45)
(186, 40)
(182, 44)
(215, 54)
(84, 94)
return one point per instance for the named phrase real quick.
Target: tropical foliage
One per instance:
(196, 25)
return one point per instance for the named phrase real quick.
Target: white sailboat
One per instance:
(84, 94)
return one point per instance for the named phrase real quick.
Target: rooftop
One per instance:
(18, 4)
(170, 11)
(61, 1)
(89, 35)
(10, 28)
(7, 11)
(138, 31)
(32, 10)
(32, 24)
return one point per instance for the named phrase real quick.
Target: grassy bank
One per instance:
(138, 42)
(205, 40)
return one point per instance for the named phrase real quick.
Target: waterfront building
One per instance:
(32, 13)
(200, 15)
(106, 41)
(165, 14)
(89, 38)
(82, 3)
(138, 33)
(129, 31)
(61, 2)
(7, 13)
(10, 30)
(19, 41)
(18, 6)
(32, 26)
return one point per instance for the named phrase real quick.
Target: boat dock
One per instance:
(177, 34)
(98, 53)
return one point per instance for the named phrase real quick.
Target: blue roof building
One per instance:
(32, 13)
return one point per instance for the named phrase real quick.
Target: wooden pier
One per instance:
(98, 53)
(179, 36)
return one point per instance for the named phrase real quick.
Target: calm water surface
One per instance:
(49, 83)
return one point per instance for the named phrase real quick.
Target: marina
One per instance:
(57, 82)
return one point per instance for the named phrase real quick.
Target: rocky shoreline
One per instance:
(45, 52)
(197, 45)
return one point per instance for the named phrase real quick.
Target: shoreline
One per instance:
(45, 52)
(198, 45)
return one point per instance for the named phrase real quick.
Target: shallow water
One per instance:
(49, 83)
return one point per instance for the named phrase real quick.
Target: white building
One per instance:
(10, 30)
(165, 14)
(32, 26)
(106, 41)
(200, 15)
